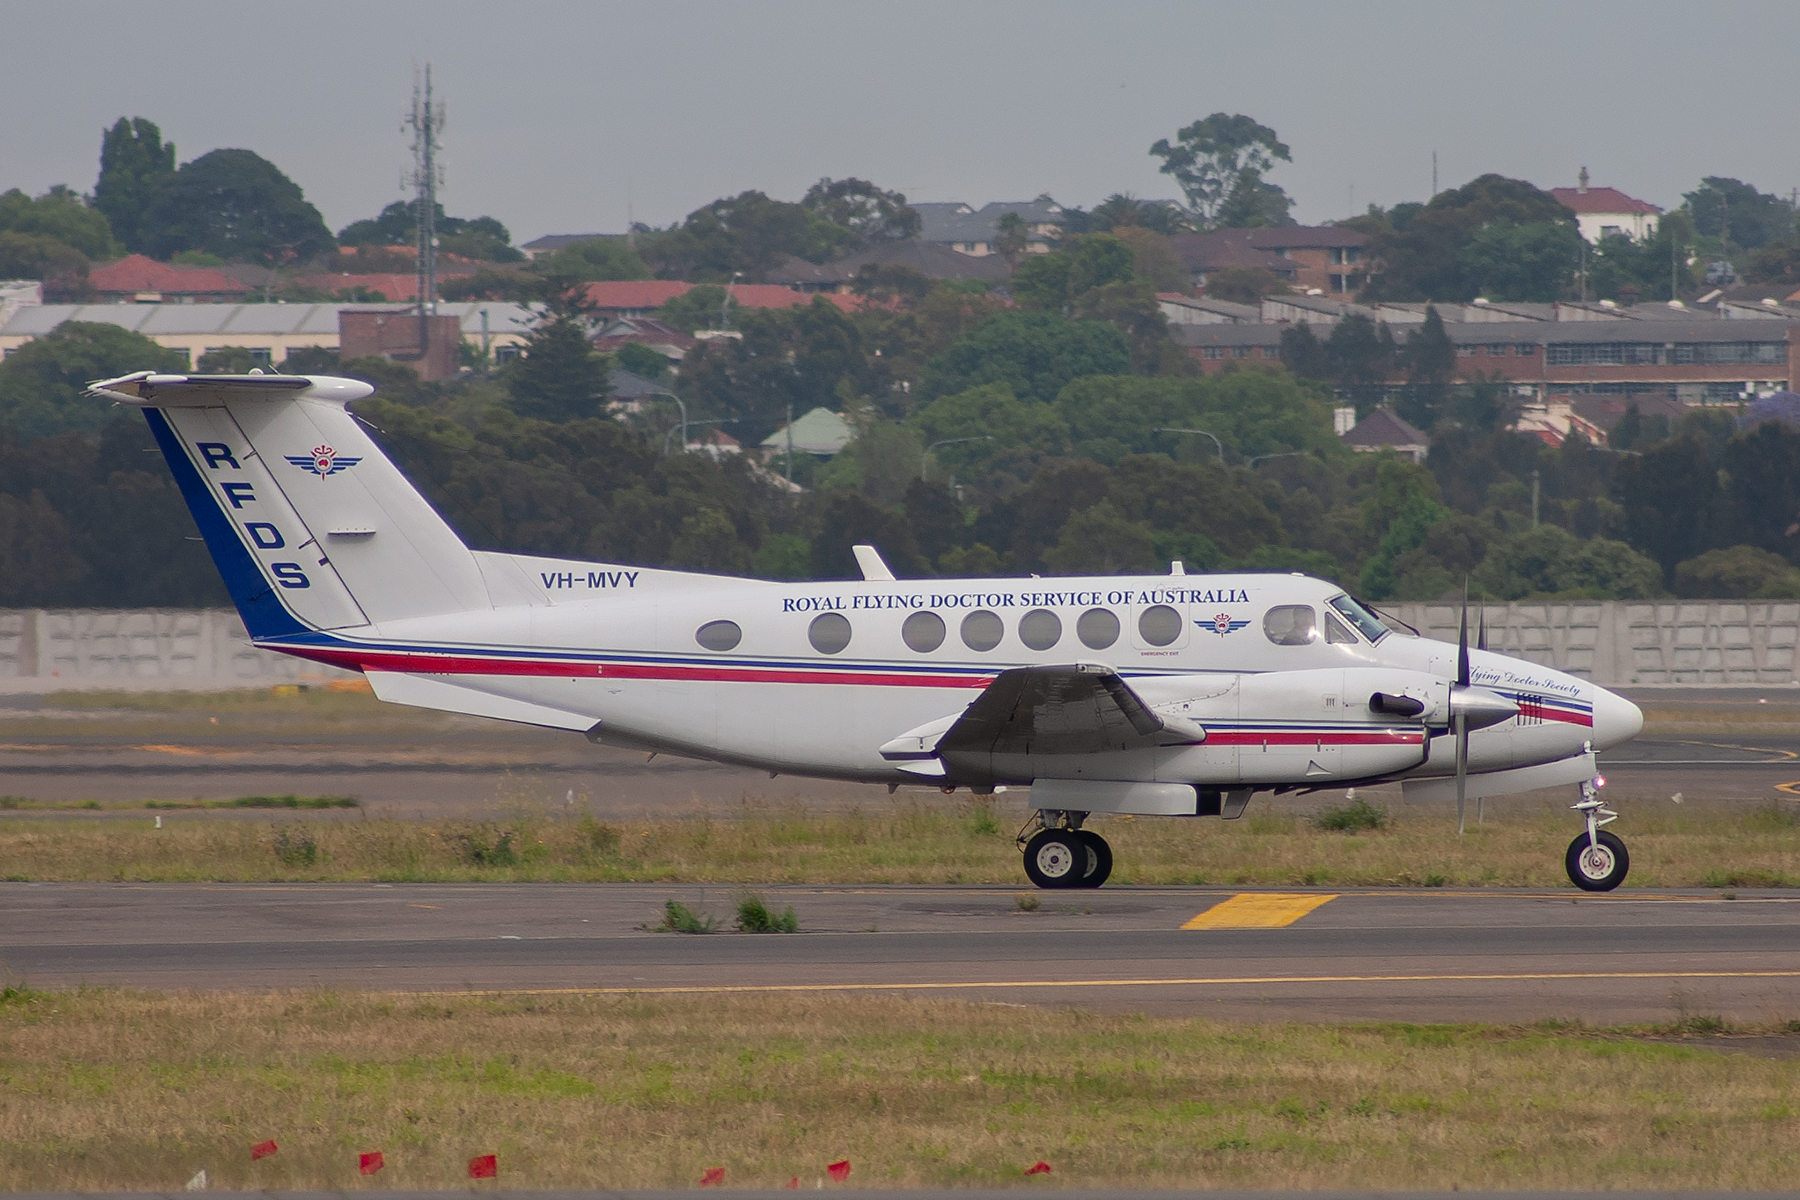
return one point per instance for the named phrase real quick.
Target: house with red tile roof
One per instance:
(142, 280)
(626, 299)
(1607, 212)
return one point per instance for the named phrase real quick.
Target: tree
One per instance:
(1551, 561)
(1421, 247)
(862, 208)
(237, 205)
(849, 520)
(34, 256)
(595, 259)
(559, 377)
(748, 233)
(1101, 540)
(1302, 353)
(60, 216)
(1217, 155)
(1244, 285)
(1036, 353)
(1739, 215)
(1360, 354)
(995, 420)
(134, 161)
(43, 383)
(1532, 262)
(1254, 204)
(1737, 573)
(1430, 365)
(1670, 495)
(1122, 210)
(1011, 238)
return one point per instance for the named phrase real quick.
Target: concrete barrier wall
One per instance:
(48, 649)
(1610, 642)
(1623, 642)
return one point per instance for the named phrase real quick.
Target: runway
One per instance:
(1424, 956)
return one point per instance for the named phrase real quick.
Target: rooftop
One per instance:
(1383, 427)
(1601, 200)
(162, 320)
(139, 273)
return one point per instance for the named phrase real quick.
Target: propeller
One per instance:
(1480, 644)
(1458, 714)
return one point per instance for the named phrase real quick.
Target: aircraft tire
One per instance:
(1597, 869)
(1054, 858)
(1099, 859)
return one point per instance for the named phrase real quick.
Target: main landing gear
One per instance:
(1596, 860)
(1061, 854)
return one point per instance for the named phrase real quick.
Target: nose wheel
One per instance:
(1596, 859)
(1067, 856)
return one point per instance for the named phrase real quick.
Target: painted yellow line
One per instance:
(1216, 981)
(1258, 910)
(1792, 789)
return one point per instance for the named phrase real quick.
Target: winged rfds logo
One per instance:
(1223, 624)
(323, 461)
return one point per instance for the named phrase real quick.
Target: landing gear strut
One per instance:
(1061, 854)
(1596, 861)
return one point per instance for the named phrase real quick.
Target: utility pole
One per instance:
(427, 124)
(1434, 173)
(1534, 497)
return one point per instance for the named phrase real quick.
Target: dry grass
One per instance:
(905, 841)
(105, 1090)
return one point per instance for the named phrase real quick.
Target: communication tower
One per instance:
(427, 124)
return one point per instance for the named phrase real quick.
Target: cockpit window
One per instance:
(1365, 621)
(1290, 624)
(1337, 633)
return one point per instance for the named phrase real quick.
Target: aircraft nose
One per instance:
(1616, 719)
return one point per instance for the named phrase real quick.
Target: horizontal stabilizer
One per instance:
(435, 691)
(147, 389)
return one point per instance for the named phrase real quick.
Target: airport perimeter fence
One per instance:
(1614, 643)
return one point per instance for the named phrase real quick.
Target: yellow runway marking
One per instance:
(1258, 910)
(1792, 789)
(1218, 981)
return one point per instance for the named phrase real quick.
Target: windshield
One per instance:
(1366, 621)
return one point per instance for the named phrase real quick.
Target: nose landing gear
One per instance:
(1061, 854)
(1596, 860)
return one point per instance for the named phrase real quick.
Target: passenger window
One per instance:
(1097, 628)
(829, 633)
(1291, 625)
(1337, 633)
(923, 631)
(982, 630)
(1160, 625)
(719, 635)
(1040, 629)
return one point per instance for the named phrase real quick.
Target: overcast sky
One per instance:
(564, 116)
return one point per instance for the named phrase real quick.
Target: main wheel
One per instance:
(1597, 868)
(1056, 858)
(1099, 859)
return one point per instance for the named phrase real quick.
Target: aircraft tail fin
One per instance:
(312, 526)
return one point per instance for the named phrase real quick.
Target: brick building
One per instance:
(1324, 258)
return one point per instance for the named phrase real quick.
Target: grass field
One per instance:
(905, 841)
(108, 1090)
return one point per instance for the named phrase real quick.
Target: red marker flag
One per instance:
(486, 1166)
(839, 1171)
(1040, 1167)
(262, 1150)
(369, 1163)
(792, 1185)
(714, 1177)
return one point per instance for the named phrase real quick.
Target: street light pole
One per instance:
(684, 420)
(925, 457)
(1213, 436)
(1251, 462)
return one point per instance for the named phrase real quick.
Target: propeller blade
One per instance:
(1481, 638)
(1462, 767)
(1462, 640)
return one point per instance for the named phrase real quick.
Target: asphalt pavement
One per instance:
(1427, 955)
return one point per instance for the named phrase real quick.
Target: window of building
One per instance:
(1497, 349)
(1213, 352)
(1466, 351)
(1525, 349)
(506, 354)
(1611, 231)
(1337, 283)
(1337, 258)
(1240, 352)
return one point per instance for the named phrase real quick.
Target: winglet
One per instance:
(869, 559)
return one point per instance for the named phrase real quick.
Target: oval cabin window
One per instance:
(829, 632)
(1159, 625)
(923, 631)
(719, 635)
(1040, 629)
(1097, 628)
(982, 630)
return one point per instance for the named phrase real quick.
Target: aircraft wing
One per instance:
(1078, 708)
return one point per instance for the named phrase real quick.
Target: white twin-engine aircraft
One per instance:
(1178, 695)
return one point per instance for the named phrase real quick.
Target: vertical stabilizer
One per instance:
(311, 524)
